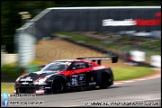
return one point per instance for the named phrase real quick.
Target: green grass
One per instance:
(131, 73)
(79, 37)
(86, 39)
(7, 87)
(123, 39)
(119, 74)
(11, 71)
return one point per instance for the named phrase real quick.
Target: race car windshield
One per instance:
(55, 67)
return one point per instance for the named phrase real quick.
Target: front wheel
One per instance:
(58, 85)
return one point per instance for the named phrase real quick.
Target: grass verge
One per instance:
(119, 74)
(124, 40)
(7, 87)
(131, 73)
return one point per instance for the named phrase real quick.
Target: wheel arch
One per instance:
(64, 78)
(61, 77)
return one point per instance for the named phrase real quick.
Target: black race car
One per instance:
(62, 75)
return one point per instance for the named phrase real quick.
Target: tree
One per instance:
(11, 20)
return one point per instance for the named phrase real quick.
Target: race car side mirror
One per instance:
(115, 59)
(73, 68)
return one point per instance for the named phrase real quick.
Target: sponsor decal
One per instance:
(47, 87)
(25, 83)
(133, 22)
(74, 80)
(92, 78)
(92, 83)
(78, 80)
(111, 22)
(26, 79)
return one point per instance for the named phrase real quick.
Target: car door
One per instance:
(78, 74)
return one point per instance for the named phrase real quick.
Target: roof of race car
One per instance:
(66, 61)
(69, 60)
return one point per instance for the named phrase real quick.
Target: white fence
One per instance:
(139, 56)
(8, 58)
(156, 61)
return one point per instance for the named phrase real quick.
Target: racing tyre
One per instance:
(104, 81)
(58, 85)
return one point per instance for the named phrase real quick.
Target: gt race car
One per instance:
(63, 75)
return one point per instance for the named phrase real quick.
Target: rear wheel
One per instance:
(58, 85)
(104, 80)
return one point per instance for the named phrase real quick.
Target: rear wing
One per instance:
(99, 59)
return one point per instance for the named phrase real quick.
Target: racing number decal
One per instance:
(74, 80)
(78, 80)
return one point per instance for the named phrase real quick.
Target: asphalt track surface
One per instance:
(140, 93)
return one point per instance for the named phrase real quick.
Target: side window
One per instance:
(80, 65)
(90, 65)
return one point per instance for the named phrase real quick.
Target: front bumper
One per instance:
(36, 89)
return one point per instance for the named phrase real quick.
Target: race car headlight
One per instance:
(18, 79)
